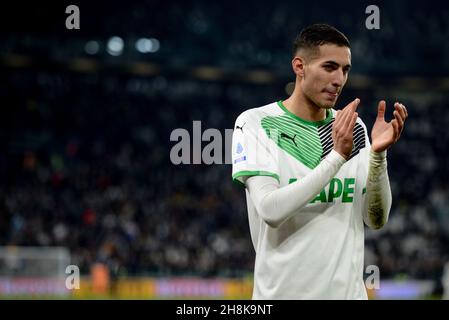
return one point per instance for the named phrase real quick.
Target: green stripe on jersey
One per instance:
(297, 137)
(239, 174)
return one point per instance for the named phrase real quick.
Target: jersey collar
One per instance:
(309, 123)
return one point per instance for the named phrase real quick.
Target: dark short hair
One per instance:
(311, 37)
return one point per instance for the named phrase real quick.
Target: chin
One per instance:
(324, 103)
(327, 105)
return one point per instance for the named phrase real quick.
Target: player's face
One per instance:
(325, 75)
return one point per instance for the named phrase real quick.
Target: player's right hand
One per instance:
(343, 127)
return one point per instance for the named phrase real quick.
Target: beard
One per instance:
(319, 104)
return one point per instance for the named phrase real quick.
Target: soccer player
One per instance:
(312, 177)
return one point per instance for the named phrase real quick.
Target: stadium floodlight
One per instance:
(146, 45)
(92, 47)
(115, 46)
(156, 45)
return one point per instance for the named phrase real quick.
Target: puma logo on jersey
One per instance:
(286, 136)
(241, 128)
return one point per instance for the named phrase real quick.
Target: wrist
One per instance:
(378, 159)
(381, 155)
(335, 157)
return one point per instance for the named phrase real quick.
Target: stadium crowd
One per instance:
(85, 164)
(85, 156)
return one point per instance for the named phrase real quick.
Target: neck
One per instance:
(302, 107)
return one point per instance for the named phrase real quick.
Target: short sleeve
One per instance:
(253, 153)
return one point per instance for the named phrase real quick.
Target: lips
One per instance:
(332, 95)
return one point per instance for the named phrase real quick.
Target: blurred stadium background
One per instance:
(86, 117)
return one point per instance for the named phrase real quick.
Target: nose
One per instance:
(338, 79)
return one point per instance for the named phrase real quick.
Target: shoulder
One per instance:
(253, 116)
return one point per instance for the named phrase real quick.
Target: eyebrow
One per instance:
(348, 66)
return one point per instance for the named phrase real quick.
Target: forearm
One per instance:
(277, 204)
(378, 193)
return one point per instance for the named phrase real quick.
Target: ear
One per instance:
(298, 64)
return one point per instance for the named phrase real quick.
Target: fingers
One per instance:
(381, 109)
(352, 106)
(399, 119)
(337, 118)
(345, 118)
(352, 121)
(405, 110)
(401, 109)
(400, 115)
(396, 131)
(347, 112)
(342, 131)
(398, 124)
(349, 119)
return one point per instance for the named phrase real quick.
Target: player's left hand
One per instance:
(385, 134)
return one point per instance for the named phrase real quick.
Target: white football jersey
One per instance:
(319, 252)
